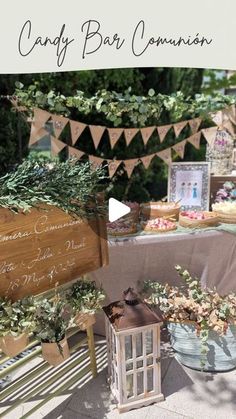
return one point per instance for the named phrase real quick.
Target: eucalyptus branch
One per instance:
(124, 109)
(68, 185)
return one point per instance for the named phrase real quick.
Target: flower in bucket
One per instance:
(189, 302)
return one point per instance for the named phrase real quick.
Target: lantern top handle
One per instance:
(131, 312)
(130, 297)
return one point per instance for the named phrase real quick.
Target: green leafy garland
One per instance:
(68, 185)
(124, 109)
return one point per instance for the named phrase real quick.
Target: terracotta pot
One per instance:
(13, 345)
(55, 353)
(84, 320)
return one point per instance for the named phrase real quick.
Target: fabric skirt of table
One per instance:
(209, 255)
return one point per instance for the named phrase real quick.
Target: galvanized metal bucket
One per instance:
(187, 345)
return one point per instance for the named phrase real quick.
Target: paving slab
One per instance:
(188, 394)
(200, 395)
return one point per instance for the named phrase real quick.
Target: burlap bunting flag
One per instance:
(36, 134)
(96, 133)
(195, 139)
(163, 131)
(180, 148)
(165, 155)
(229, 127)
(179, 126)
(210, 134)
(96, 161)
(130, 165)
(231, 111)
(114, 135)
(76, 129)
(217, 117)
(56, 146)
(195, 124)
(146, 133)
(73, 152)
(147, 160)
(37, 126)
(59, 123)
(40, 118)
(113, 166)
(129, 134)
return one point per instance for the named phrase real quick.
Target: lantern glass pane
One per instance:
(150, 361)
(112, 373)
(129, 385)
(149, 342)
(139, 344)
(129, 366)
(128, 347)
(114, 343)
(140, 382)
(139, 364)
(150, 379)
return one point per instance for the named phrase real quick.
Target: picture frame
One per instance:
(189, 183)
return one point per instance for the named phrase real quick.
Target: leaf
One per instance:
(151, 92)
(19, 85)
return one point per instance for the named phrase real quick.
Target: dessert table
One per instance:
(209, 254)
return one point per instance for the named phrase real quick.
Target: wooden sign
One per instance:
(47, 246)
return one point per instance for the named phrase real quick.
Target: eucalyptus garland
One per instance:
(124, 109)
(69, 185)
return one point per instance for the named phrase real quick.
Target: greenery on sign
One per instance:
(16, 317)
(190, 302)
(69, 185)
(123, 109)
(85, 297)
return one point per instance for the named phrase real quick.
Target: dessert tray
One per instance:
(198, 219)
(226, 212)
(158, 209)
(159, 225)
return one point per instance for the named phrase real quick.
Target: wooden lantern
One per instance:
(133, 343)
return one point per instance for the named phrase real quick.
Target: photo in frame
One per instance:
(189, 183)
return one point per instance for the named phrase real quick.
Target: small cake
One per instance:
(159, 225)
(121, 228)
(133, 215)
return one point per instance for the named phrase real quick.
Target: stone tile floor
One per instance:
(188, 394)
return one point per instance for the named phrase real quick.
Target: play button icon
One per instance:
(117, 209)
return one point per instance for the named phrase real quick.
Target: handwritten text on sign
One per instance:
(43, 247)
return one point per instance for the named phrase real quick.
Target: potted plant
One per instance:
(16, 321)
(201, 323)
(51, 322)
(85, 299)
